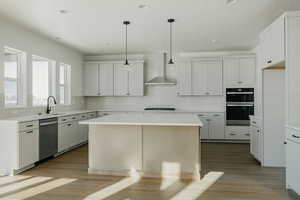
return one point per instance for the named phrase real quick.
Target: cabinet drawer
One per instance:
(83, 116)
(293, 135)
(237, 133)
(28, 125)
(92, 115)
(64, 119)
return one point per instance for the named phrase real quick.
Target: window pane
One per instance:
(40, 81)
(62, 94)
(62, 74)
(11, 93)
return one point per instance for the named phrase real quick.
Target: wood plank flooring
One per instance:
(66, 178)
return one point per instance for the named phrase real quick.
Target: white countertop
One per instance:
(43, 116)
(147, 119)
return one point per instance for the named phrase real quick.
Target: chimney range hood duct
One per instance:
(162, 80)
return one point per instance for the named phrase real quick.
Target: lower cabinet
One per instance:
(237, 132)
(293, 160)
(256, 139)
(213, 126)
(28, 147)
(71, 133)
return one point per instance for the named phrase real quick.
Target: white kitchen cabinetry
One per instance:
(273, 44)
(98, 79)
(293, 159)
(71, 133)
(237, 132)
(129, 80)
(213, 126)
(200, 77)
(256, 139)
(239, 71)
(28, 147)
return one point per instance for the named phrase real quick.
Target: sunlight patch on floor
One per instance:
(23, 184)
(196, 188)
(39, 189)
(167, 182)
(10, 179)
(114, 188)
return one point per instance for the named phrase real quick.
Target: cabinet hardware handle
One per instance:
(296, 136)
(73, 117)
(31, 125)
(29, 132)
(64, 120)
(269, 61)
(285, 142)
(254, 122)
(69, 124)
(216, 115)
(232, 134)
(247, 134)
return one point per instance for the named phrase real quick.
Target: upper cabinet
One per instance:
(239, 71)
(98, 79)
(272, 41)
(129, 81)
(113, 79)
(200, 77)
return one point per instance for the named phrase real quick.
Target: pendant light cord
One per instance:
(126, 23)
(171, 39)
(126, 44)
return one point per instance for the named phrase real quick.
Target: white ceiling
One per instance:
(95, 26)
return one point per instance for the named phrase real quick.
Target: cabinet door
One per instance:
(204, 130)
(121, 77)
(199, 78)
(247, 71)
(252, 140)
(90, 79)
(136, 79)
(293, 165)
(277, 44)
(231, 72)
(266, 46)
(214, 77)
(28, 147)
(184, 77)
(216, 126)
(106, 79)
(63, 134)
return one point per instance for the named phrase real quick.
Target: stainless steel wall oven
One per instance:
(239, 105)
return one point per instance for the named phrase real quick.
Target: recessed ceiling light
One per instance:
(144, 6)
(231, 2)
(64, 11)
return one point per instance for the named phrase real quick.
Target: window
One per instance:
(13, 62)
(64, 84)
(43, 86)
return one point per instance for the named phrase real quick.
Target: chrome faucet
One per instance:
(49, 109)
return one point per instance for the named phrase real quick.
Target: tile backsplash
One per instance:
(77, 104)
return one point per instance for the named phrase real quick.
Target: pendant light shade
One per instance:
(126, 23)
(171, 21)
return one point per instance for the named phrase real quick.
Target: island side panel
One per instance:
(114, 149)
(171, 151)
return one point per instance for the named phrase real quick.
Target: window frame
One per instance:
(51, 78)
(66, 85)
(20, 80)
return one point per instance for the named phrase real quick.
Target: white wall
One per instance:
(158, 95)
(34, 44)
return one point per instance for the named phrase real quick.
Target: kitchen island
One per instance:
(148, 144)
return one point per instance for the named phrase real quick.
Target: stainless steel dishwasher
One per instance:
(48, 138)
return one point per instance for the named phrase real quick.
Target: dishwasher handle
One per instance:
(48, 123)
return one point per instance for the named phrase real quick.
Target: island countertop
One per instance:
(147, 119)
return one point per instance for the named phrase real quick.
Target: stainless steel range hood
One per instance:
(162, 80)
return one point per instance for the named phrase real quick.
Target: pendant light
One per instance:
(171, 21)
(126, 23)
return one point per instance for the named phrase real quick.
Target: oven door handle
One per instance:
(244, 105)
(240, 92)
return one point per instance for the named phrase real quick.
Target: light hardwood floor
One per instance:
(66, 178)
